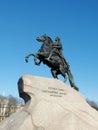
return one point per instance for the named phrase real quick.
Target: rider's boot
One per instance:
(49, 57)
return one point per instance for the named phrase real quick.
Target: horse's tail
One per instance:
(70, 75)
(71, 80)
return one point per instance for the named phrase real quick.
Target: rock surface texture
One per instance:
(50, 105)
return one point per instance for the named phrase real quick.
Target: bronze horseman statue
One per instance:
(50, 54)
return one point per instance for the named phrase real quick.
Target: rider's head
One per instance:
(57, 39)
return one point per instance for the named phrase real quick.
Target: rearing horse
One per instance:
(56, 64)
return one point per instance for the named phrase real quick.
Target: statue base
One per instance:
(50, 104)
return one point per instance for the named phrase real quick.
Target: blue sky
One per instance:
(74, 21)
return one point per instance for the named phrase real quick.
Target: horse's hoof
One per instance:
(26, 59)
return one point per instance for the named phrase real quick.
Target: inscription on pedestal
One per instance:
(56, 92)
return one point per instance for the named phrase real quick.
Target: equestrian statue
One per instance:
(50, 54)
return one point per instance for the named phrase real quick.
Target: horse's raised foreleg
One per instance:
(36, 61)
(35, 58)
(27, 57)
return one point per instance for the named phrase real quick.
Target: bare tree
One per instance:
(3, 105)
(12, 100)
(9, 105)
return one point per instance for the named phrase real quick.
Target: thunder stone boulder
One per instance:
(50, 105)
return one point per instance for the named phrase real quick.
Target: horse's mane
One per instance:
(49, 39)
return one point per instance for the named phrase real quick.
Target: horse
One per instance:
(57, 64)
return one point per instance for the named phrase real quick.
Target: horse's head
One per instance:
(44, 38)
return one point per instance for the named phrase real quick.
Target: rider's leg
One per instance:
(50, 55)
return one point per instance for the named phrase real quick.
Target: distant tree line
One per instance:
(10, 100)
(9, 104)
(93, 104)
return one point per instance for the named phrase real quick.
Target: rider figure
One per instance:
(57, 48)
